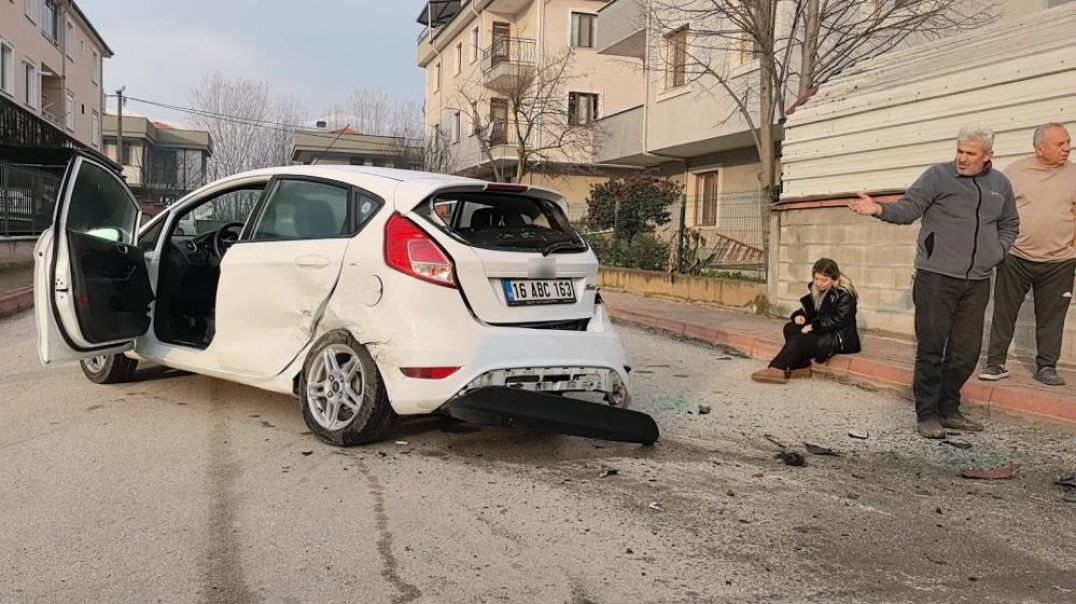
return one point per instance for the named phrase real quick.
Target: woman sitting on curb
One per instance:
(823, 327)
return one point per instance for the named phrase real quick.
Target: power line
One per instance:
(242, 120)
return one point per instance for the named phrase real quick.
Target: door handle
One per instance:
(312, 261)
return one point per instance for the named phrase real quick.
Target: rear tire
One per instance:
(341, 392)
(109, 369)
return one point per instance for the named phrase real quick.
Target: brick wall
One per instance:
(879, 257)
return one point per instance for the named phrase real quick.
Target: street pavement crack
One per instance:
(390, 570)
(224, 581)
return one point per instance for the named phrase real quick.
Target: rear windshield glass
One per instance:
(503, 221)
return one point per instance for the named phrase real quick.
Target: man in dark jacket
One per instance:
(969, 222)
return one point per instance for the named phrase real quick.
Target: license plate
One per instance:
(520, 292)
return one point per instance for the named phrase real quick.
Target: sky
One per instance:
(317, 51)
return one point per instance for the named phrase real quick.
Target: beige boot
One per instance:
(770, 375)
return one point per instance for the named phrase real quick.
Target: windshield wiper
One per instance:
(557, 246)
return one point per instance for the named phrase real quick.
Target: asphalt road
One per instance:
(180, 488)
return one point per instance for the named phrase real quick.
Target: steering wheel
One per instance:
(225, 236)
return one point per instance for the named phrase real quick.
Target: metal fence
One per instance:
(723, 235)
(27, 199)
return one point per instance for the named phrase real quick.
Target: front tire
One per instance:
(341, 392)
(109, 369)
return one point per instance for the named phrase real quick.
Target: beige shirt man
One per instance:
(1046, 201)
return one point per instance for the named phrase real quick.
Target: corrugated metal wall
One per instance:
(881, 124)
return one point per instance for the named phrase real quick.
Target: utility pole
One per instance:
(119, 126)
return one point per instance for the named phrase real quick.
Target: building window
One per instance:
(706, 198)
(459, 58)
(96, 68)
(582, 108)
(69, 40)
(31, 82)
(48, 20)
(474, 44)
(7, 68)
(676, 58)
(96, 120)
(32, 10)
(437, 77)
(583, 29)
(457, 126)
(69, 111)
(745, 50)
(82, 48)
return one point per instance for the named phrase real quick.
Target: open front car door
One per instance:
(92, 292)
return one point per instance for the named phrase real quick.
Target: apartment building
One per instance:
(51, 65)
(686, 130)
(161, 162)
(481, 58)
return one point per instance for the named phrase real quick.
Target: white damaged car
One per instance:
(368, 293)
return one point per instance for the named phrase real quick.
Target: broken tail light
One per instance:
(411, 251)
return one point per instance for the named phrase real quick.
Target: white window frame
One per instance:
(69, 39)
(96, 130)
(437, 77)
(457, 126)
(573, 39)
(69, 110)
(55, 38)
(32, 84)
(459, 57)
(7, 71)
(96, 75)
(31, 10)
(476, 43)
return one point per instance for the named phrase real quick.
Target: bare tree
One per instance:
(374, 111)
(761, 55)
(252, 127)
(534, 117)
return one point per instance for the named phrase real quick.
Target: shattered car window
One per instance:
(503, 221)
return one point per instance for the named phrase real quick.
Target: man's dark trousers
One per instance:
(949, 316)
(1052, 283)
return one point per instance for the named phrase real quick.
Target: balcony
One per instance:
(621, 139)
(621, 33)
(508, 61)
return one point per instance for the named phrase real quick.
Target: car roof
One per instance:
(404, 187)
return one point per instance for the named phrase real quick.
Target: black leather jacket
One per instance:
(834, 322)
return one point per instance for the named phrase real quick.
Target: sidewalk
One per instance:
(16, 290)
(884, 362)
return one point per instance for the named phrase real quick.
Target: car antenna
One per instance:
(339, 133)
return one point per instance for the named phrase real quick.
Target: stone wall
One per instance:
(722, 292)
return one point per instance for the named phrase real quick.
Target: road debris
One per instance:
(305, 453)
(1001, 473)
(959, 444)
(820, 450)
(704, 409)
(859, 434)
(656, 506)
(773, 440)
(606, 472)
(1069, 482)
(401, 442)
(792, 458)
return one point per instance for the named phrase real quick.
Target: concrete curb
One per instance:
(16, 301)
(1060, 407)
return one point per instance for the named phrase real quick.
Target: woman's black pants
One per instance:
(798, 350)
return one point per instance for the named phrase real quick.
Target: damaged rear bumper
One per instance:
(514, 407)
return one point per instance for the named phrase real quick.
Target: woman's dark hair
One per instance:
(826, 267)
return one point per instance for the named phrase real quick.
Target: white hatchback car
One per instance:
(365, 292)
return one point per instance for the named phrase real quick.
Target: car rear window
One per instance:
(503, 221)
